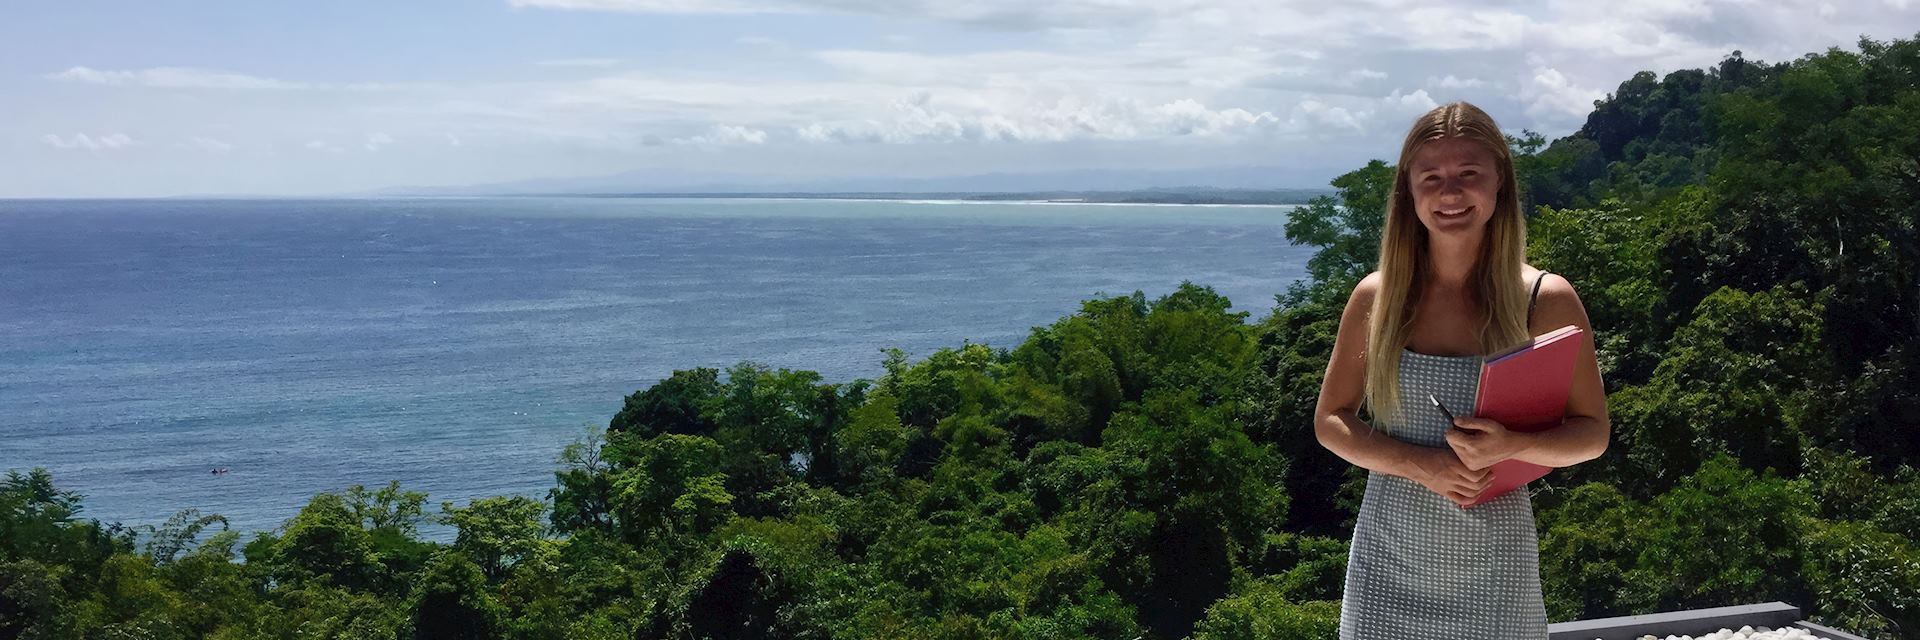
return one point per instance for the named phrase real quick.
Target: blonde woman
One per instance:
(1452, 286)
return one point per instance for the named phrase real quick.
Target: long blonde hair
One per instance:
(1495, 278)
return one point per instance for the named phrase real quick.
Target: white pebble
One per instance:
(1746, 633)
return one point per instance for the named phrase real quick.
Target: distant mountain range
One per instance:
(1227, 184)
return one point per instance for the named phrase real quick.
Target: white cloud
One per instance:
(377, 140)
(1001, 14)
(1189, 118)
(91, 143)
(727, 134)
(1415, 103)
(579, 62)
(194, 78)
(1627, 39)
(173, 77)
(1451, 82)
(1551, 96)
(1443, 28)
(324, 146)
(211, 145)
(927, 117)
(1313, 112)
(453, 140)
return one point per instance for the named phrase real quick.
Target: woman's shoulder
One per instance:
(1365, 290)
(1551, 285)
(1558, 304)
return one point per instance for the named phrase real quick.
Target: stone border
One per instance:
(1696, 622)
(1830, 632)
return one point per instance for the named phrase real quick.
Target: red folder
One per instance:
(1525, 388)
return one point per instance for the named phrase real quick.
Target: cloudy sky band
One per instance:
(943, 84)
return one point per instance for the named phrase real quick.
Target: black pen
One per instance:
(1443, 410)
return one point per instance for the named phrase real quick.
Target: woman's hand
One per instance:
(1441, 472)
(1481, 442)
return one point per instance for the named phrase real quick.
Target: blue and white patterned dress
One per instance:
(1422, 567)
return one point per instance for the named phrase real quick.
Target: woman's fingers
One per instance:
(1466, 484)
(1461, 469)
(1464, 494)
(1471, 475)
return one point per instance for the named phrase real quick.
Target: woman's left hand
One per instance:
(1481, 442)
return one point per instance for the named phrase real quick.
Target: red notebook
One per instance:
(1525, 388)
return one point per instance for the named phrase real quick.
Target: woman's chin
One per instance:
(1456, 226)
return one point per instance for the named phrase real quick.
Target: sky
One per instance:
(172, 97)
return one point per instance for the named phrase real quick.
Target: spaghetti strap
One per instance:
(1535, 297)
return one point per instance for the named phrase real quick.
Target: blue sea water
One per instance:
(456, 344)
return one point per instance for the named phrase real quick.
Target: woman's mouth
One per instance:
(1454, 213)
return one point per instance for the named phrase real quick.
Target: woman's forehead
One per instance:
(1450, 152)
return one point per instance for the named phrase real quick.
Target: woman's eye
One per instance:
(1468, 174)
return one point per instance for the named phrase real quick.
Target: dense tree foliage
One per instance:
(1744, 240)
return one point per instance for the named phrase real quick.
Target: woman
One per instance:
(1452, 286)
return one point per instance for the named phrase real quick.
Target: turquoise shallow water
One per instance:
(457, 344)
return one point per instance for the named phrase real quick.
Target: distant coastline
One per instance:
(1150, 196)
(1171, 197)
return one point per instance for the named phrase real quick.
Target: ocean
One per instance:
(457, 344)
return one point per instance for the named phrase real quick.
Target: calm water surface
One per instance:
(457, 344)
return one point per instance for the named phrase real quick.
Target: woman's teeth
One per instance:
(1454, 212)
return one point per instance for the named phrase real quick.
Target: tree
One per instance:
(872, 442)
(388, 509)
(669, 485)
(325, 542)
(496, 533)
(735, 601)
(1262, 613)
(452, 603)
(1346, 228)
(1721, 536)
(178, 533)
(674, 405)
(582, 497)
(1867, 580)
(1741, 378)
(1292, 343)
(765, 419)
(1193, 341)
(1610, 252)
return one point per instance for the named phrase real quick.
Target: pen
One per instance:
(1443, 409)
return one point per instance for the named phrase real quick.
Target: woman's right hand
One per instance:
(1440, 470)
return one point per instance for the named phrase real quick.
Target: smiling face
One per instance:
(1455, 185)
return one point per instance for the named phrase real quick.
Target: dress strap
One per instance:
(1535, 296)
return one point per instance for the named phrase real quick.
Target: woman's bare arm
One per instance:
(1587, 429)
(1336, 421)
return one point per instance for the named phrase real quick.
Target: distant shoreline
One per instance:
(1223, 197)
(939, 201)
(1167, 197)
